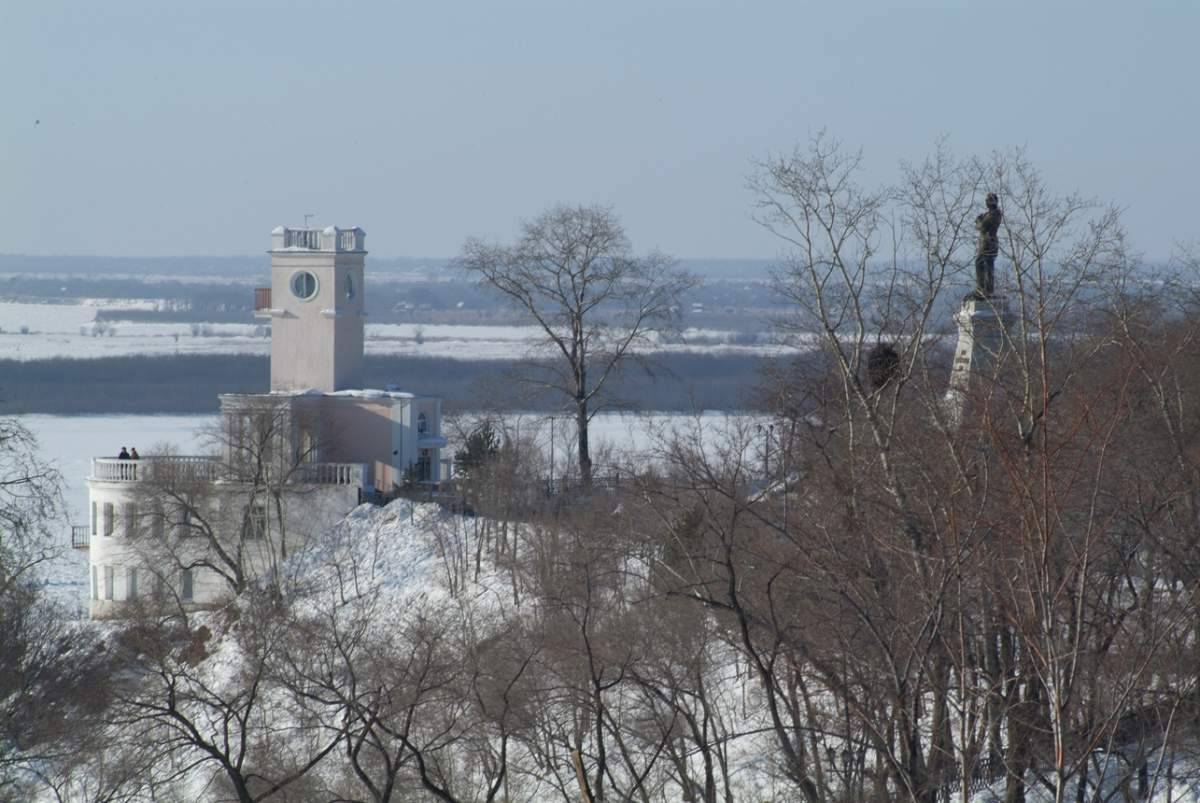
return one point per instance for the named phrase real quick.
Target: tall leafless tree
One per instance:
(573, 272)
(53, 679)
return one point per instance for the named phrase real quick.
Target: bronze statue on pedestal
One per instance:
(988, 225)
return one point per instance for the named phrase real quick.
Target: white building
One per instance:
(285, 464)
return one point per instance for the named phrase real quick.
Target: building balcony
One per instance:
(210, 469)
(262, 304)
(354, 474)
(174, 467)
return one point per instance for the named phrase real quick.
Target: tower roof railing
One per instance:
(331, 238)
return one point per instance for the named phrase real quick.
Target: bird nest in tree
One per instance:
(882, 363)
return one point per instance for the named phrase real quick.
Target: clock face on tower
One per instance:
(304, 285)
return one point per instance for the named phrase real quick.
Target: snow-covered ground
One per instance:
(46, 331)
(404, 562)
(387, 574)
(70, 443)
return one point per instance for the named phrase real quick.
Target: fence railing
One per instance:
(327, 239)
(985, 772)
(535, 493)
(332, 473)
(210, 469)
(175, 467)
(302, 238)
(349, 240)
(81, 536)
(557, 486)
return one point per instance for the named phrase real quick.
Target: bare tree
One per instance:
(54, 686)
(54, 679)
(573, 272)
(30, 504)
(224, 718)
(232, 513)
(926, 605)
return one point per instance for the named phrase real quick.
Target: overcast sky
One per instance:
(162, 127)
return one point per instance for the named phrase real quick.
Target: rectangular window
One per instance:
(307, 451)
(95, 518)
(157, 521)
(186, 590)
(131, 589)
(108, 582)
(129, 519)
(108, 518)
(183, 521)
(95, 584)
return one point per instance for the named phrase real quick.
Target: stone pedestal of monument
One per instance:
(984, 333)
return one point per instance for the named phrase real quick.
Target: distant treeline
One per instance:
(450, 299)
(250, 265)
(682, 382)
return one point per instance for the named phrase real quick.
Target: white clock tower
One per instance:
(316, 308)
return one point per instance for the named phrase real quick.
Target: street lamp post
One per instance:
(768, 431)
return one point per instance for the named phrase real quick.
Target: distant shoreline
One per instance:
(251, 266)
(190, 384)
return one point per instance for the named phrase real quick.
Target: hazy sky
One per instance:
(194, 128)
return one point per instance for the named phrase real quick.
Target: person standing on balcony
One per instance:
(124, 455)
(133, 455)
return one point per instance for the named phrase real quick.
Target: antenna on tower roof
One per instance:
(306, 217)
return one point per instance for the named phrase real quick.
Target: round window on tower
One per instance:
(304, 285)
(349, 286)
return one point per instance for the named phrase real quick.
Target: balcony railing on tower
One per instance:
(286, 238)
(262, 298)
(302, 238)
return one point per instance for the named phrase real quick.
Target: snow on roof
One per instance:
(370, 393)
(361, 393)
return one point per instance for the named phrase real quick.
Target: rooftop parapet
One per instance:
(331, 238)
(187, 468)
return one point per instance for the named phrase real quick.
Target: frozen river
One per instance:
(49, 331)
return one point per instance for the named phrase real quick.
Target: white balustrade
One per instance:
(302, 238)
(181, 467)
(329, 239)
(193, 468)
(350, 239)
(333, 474)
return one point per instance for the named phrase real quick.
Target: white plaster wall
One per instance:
(310, 349)
(108, 550)
(309, 511)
